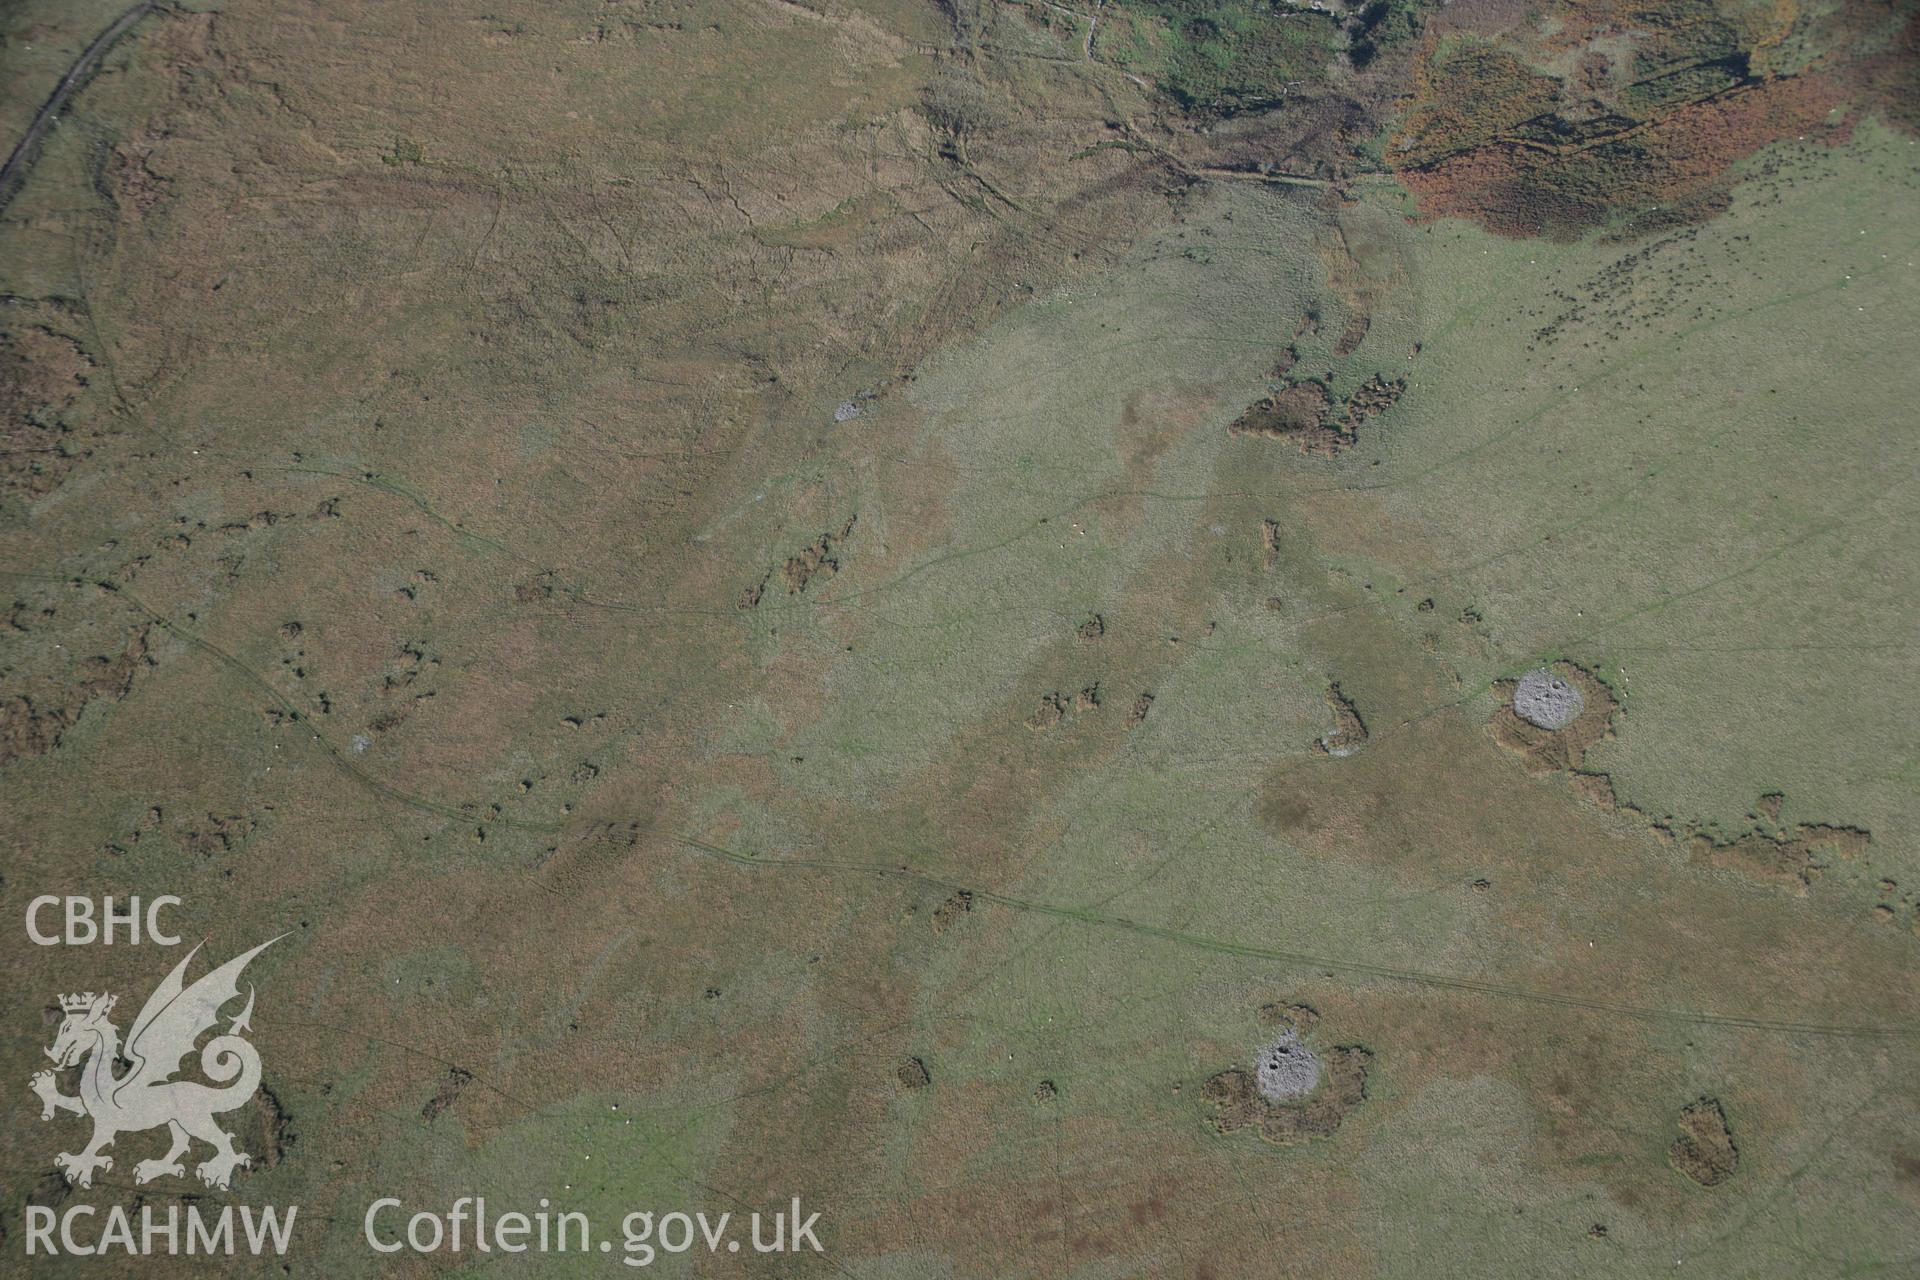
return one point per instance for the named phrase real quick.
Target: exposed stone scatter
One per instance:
(1546, 701)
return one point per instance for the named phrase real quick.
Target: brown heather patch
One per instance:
(456, 1082)
(1349, 732)
(1789, 856)
(42, 374)
(1305, 413)
(949, 913)
(818, 559)
(1301, 412)
(1705, 1151)
(264, 1130)
(1297, 1018)
(36, 722)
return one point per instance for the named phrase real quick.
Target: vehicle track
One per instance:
(83, 67)
(1363, 968)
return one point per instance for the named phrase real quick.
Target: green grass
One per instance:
(1689, 486)
(642, 848)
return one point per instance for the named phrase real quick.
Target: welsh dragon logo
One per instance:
(146, 1096)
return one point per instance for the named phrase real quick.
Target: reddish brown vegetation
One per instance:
(1493, 138)
(1523, 187)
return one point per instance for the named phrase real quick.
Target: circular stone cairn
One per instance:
(1545, 700)
(1286, 1070)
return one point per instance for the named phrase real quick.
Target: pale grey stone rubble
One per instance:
(1286, 1070)
(1546, 701)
